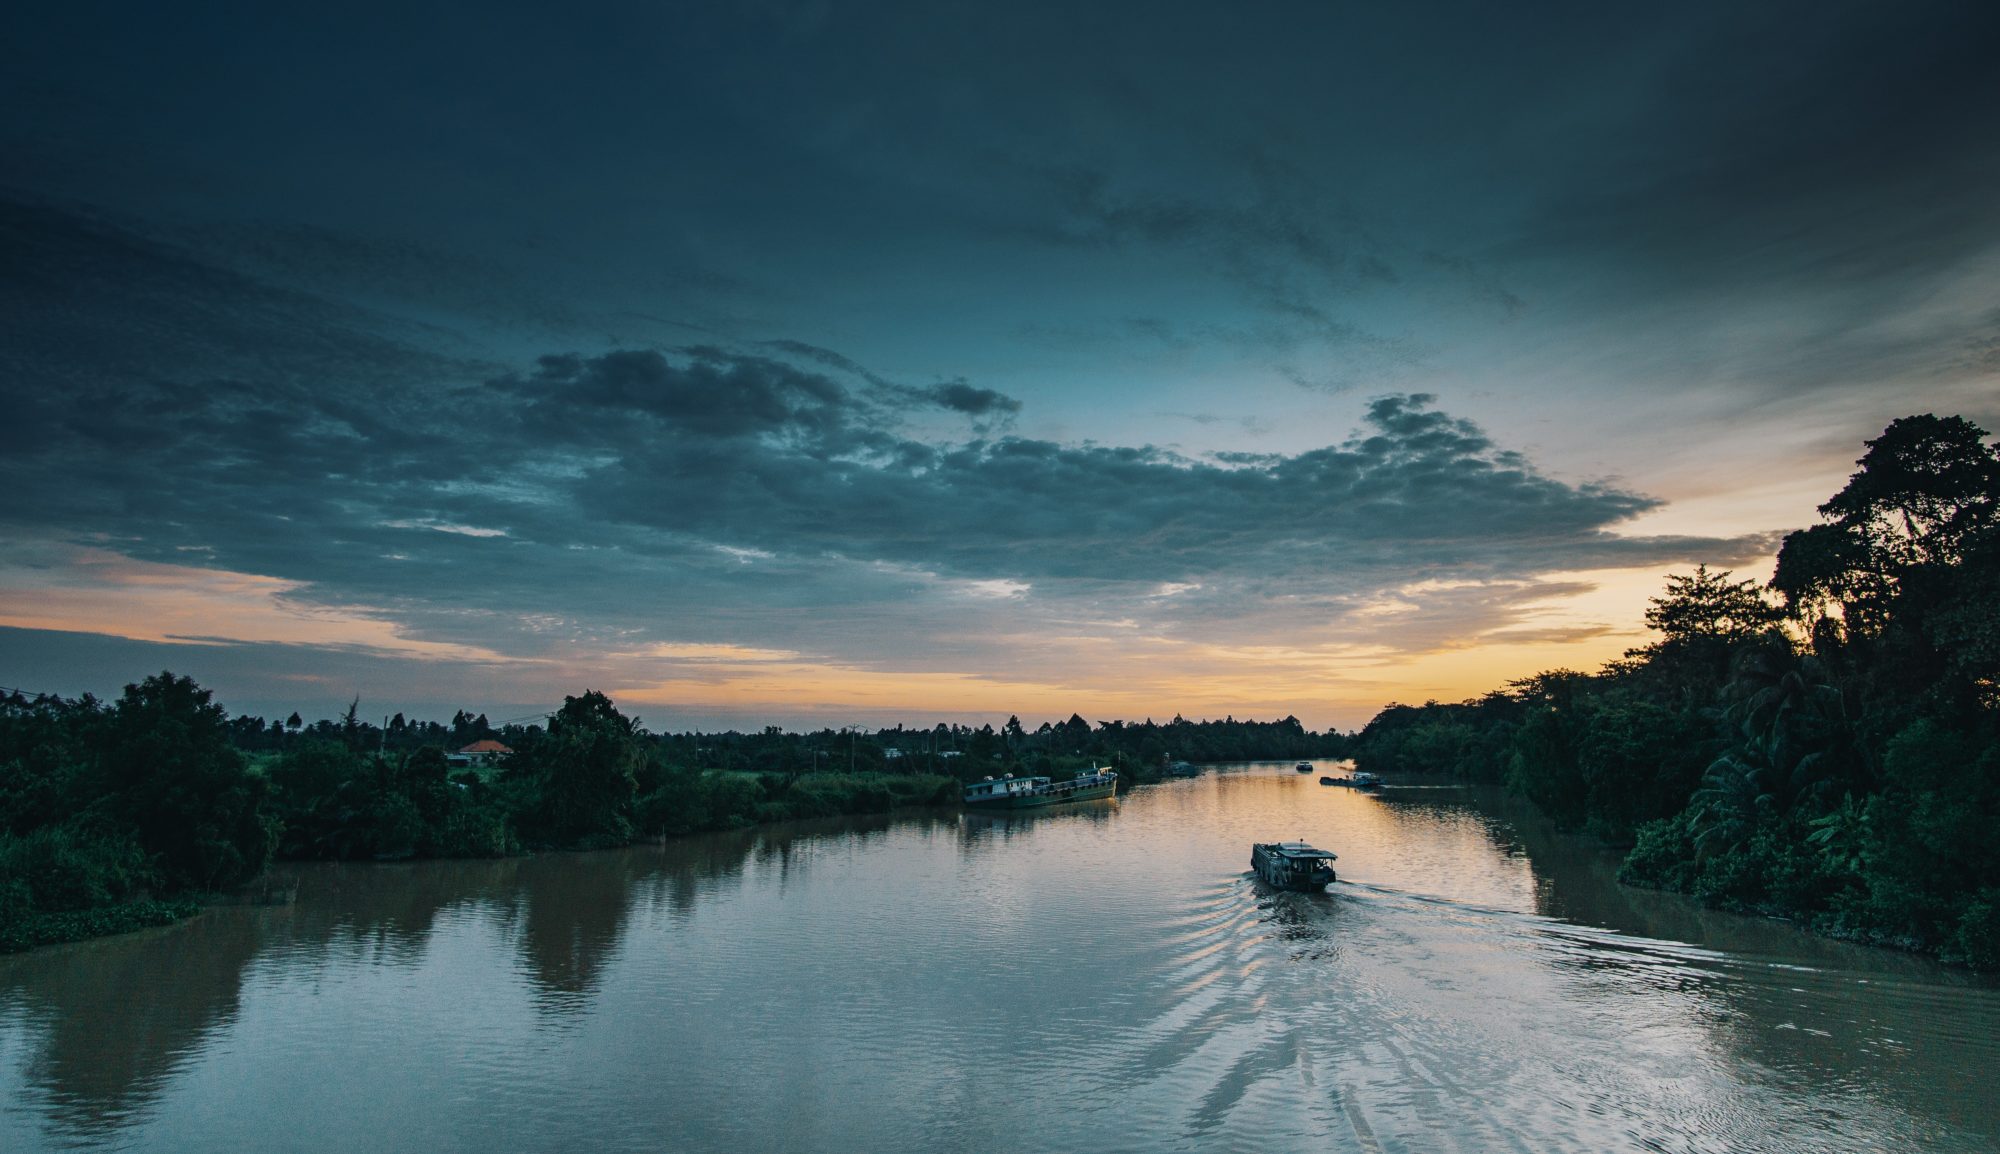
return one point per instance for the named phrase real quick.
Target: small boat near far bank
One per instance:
(1359, 781)
(1012, 792)
(1293, 865)
(1304, 767)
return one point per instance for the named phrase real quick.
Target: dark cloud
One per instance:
(563, 488)
(1297, 258)
(973, 402)
(986, 407)
(711, 393)
(749, 487)
(1837, 148)
(826, 358)
(88, 300)
(271, 679)
(1249, 423)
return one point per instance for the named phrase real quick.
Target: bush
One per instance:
(476, 830)
(75, 925)
(1976, 939)
(1663, 856)
(62, 868)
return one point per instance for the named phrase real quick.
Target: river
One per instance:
(1105, 978)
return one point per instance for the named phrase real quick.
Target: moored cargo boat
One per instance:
(1360, 779)
(1293, 865)
(1012, 792)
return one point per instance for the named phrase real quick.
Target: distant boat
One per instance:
(1360, 779)
(1304, 767)
(1292, 865)
(1012, 792)
(1182, 769)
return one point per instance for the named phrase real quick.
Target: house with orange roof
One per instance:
(483, 752)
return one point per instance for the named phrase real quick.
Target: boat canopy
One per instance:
(1303, 852)
(1007, 786)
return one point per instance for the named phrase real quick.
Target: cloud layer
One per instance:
(1014, 342)
(780, 496)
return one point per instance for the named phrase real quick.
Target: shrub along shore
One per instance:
(1825, 748)
(115, 816)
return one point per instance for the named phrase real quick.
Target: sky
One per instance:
(811, 364)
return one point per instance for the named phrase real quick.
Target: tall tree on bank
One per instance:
(1705, 607)
(1925, 500)
(166, 769)
(582, 776)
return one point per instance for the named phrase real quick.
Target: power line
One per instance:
(11, 691)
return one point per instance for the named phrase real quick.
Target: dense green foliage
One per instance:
(42, 929)
(1138, 750)
(1833, 757)
(332, 801)
(102, 808)
(115, 816)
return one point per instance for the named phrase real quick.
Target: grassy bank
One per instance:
(46, 929)
(832, 794)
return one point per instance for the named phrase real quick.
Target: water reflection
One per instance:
(980, 827)
(687, 870)
(116, 1019)
(385, 911)
(571, 920)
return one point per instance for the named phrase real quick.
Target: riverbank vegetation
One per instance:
(1825, 748)
(119, 815)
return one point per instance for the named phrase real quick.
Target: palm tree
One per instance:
(1731, 802)
(1795, 722)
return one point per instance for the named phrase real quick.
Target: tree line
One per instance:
(1825, 747)
(120, 814)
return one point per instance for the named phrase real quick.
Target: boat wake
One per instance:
(1372, 1018)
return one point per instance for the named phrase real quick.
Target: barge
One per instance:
(1292, 865)
(1010, 792)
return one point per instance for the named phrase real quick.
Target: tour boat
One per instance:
(1292, 865)
(1360, 779)
(1012, 792)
